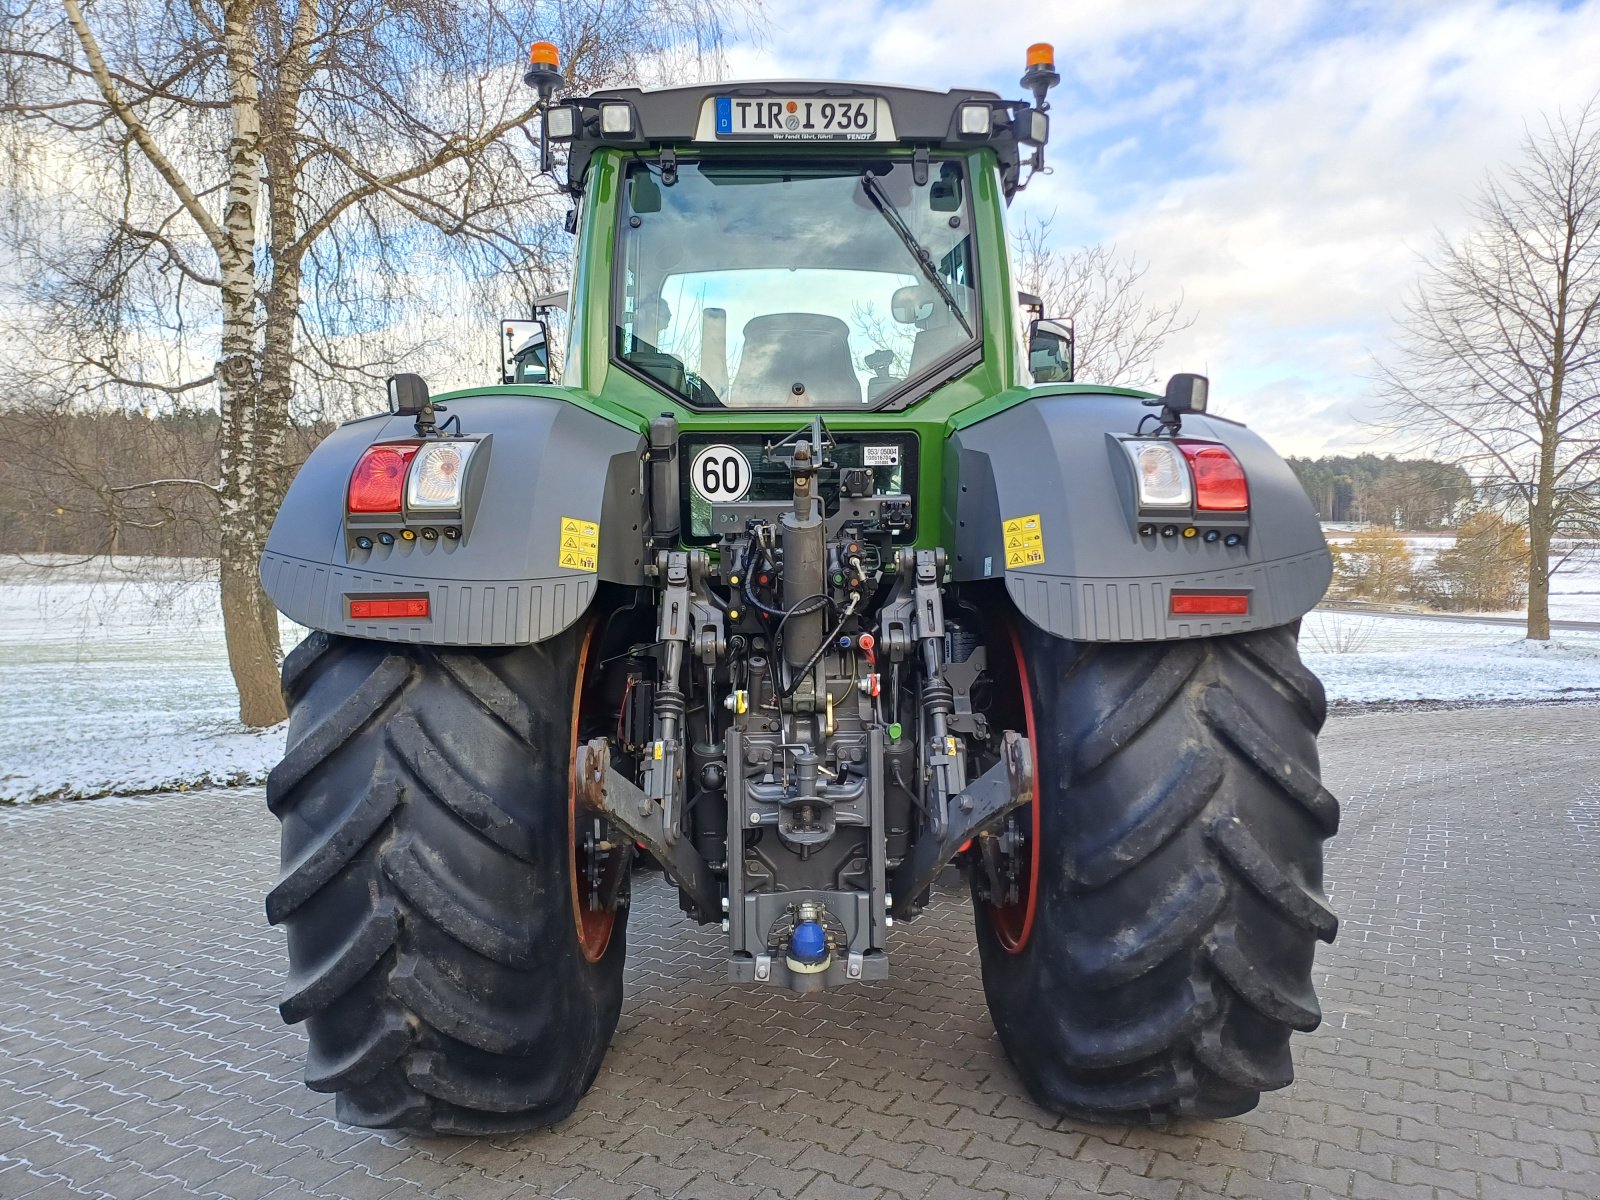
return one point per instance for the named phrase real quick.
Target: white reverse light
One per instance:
(438, 475)
(1160, 473)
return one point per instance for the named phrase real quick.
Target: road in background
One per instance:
(1459, 618)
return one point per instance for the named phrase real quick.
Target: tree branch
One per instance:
(214, 488)
(390, 183)
(141, 136)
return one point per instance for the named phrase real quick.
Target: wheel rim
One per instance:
(594, 925)
(1013, 923)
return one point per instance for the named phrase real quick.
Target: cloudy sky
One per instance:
(1280, 163)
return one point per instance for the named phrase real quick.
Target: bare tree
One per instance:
(1497, 366)
(256, 201)
(1116, 330)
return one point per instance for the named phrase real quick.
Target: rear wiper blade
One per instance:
(930, 270)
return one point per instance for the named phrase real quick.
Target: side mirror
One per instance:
(408, 395)
(1187, 393)
(524, 351)
(1050, 350)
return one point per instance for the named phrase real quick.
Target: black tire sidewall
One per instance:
(497, 725)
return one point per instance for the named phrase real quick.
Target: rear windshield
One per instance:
(834, 287)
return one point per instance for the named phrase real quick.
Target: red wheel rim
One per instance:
(1013, 923)
(594, 927)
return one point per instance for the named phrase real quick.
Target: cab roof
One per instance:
(686, 119)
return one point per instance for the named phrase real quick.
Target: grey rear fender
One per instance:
(1057, 458)
(542, 462)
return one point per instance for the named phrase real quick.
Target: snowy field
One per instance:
(1574, 588)
(1363, 659)
(116, 686)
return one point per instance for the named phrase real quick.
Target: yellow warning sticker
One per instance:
(1024, 541)
(580, 544)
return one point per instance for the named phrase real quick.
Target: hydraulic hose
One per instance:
(844, 615)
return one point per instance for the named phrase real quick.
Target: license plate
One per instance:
(802, 119)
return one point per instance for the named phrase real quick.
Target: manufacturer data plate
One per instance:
(800, 119)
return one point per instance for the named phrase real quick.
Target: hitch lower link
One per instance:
(1007, 785)
(607, 791)
(689, 623)
(984, 802)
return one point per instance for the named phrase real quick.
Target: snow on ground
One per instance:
(1362, 659)
(1575, 587)
(116, 686)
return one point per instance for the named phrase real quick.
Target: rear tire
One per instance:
(430, 887)
(1160, 954)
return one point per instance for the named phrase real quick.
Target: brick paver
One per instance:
(141, 1056)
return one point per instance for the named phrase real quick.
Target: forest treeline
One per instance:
(1399, 493)
(97, 482)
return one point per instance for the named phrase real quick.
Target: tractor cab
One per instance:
(786, 246)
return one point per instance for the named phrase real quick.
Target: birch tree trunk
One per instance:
(248, 500)
(276, 384)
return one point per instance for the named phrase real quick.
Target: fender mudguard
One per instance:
(501, 583)
(1057, 458)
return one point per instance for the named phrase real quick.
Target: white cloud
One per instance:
(1335, 168)
(1280, 164)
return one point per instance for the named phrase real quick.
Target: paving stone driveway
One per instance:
(140, 1054)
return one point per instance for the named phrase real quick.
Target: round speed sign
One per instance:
(719, 473)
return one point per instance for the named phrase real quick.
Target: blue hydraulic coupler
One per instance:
(809, 944)
(809, 957)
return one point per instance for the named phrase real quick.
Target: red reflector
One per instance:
(410, 606)
(1219, 484)
(380, 477)
(1210, 604)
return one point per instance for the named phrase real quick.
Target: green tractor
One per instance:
(814, 574)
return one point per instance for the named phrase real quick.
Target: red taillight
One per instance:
(379, 479)
(1210, 604)
(1219, 484)
(415, 607)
